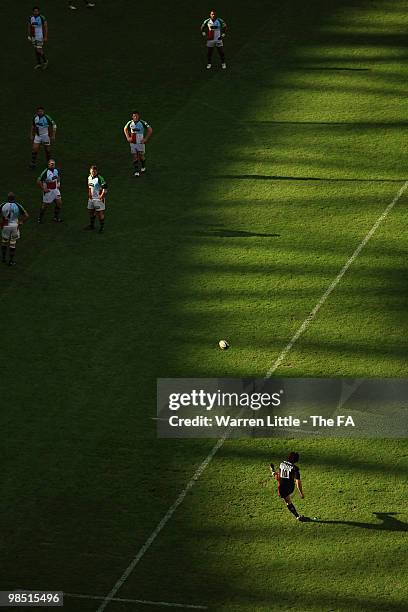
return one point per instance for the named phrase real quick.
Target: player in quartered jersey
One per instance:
(50, 181)
(137, 133)
(12, 215)
(288, 475)
(97, 189)
(37, 34)
(43, 130)
(213, 30)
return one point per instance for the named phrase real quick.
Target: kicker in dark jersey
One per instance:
(288, 476)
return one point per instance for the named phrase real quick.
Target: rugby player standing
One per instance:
(137, 133)
(43, 130)
(287, 476)
(214, 29)
(12, 215)
(97, 188)
(37, 34)
(49, 181)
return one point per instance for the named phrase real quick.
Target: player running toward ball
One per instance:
(287, 476)
(137, 133)
(12, 215)
(49, 181)
(97, 189)
(214, 30)
(37, 34)
(43, 130)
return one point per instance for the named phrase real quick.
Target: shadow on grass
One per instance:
(389, 523)
(229, 233)
(267, 177)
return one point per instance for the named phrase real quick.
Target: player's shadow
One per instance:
(268, 177)
(229, 233)
(389, 523)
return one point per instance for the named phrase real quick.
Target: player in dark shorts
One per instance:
(288, 476)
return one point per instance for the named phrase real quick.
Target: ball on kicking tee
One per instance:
(223, 344)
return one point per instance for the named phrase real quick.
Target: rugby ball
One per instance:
(223, 344)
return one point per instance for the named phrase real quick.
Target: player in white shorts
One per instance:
(137, 133)
(43, 130)
(12, 215)
(50, 181)
(37, 34)
(213, 30)
(97, 189)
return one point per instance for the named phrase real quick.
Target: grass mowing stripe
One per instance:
(274, 367)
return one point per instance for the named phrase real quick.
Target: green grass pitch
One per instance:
(262, 181)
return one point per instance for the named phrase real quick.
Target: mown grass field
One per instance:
(262, 181)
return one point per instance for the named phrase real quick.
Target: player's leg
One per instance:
(101, 219)
(92, 215)
(4, 244)
(34, 152)
(47, 149)
(136, 164)
(221, 53)
(40, 54)
(57, 209)
(12, 247)
(291, 507)
(210, 51)
(41, 212)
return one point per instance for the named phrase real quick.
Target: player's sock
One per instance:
(292, 509)
(101, 225)
(38, 56)
(12, 252)
(92, 221)
(57, 211)
(3, 252)
(41, 215)
(47, 154)
(33, 158)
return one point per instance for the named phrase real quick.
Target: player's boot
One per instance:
(208, 66)
(37, 66)
(45, 65)
(301, 518)
(143, 169)
(90, 4)
(136, 174)
(72, 7)
(12, 263)
(101, 230)
(224, 66)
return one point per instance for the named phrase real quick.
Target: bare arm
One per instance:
(149, 132)
(126, 133)
(299, 488)
(45, 31)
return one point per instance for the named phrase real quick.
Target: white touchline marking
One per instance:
(160, 526)
(336, 281)
(146, 602)
(273, 368)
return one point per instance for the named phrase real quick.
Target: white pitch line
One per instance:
(336, 281)
(274, 367)
(146, 602)
(160, 526)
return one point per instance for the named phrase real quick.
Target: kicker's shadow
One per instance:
(389, 523)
